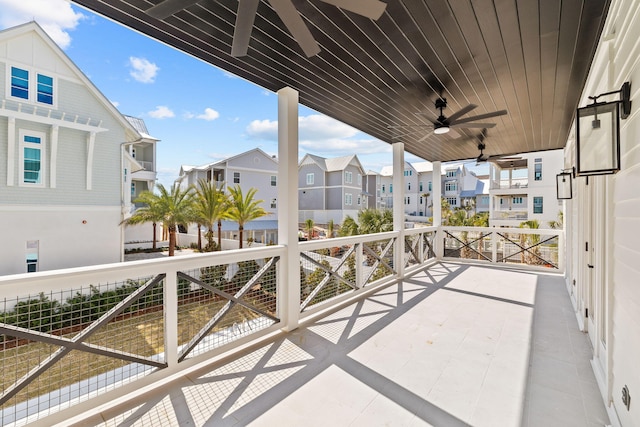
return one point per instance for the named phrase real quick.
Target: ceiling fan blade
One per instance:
(460, 113)
(480, 117)
(372, 9)
(244, 25)
(426, 136)
(296, 26)
(169, 7)
(429, 117)
(472, 125)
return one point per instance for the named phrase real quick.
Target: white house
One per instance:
(329, 189)
(523, 188)
(62, 159)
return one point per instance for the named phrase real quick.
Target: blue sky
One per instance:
(200, 113)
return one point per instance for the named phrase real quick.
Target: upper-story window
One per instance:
(348, 199)
(390, 188)
(32, 146)
(274, 180)
(383, 188)
(516, 200)
(21, 84)
(451, 174)
(420, 186)
(348, 177)
(537, 205)
(452, 201)
(408, 186)
(429, 186)
(537, 170)
(310, 178)
(236, 177)
(450, 186)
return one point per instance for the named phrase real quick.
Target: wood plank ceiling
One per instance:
(529, 57)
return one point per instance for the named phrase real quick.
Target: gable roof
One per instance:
(33, 27)
(333, 164)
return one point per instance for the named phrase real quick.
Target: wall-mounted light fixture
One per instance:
(598, 133)
(564, 189)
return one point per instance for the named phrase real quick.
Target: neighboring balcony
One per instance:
(509, 184)
(395, 327)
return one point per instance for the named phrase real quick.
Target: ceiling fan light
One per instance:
(440, 130)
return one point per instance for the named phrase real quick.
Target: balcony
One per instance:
(482, 334)
(509, 184)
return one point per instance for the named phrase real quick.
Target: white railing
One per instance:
(509, 184)
(99, 333)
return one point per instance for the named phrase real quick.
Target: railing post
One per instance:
(171, 318)
(289, 279)
(494, 247)
(438, 244)
(359, 265)
(398, 206)
(421, 238)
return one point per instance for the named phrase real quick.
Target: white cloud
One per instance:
(208, 115)
(56, 17)
(115, 103)
(142, 69)
(162, 112)
(322, 135)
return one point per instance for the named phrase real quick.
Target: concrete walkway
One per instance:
(454, 345)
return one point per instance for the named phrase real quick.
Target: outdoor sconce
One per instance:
(564, 185)
(598, 133)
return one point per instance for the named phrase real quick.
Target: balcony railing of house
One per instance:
(85, 337)
(148, 166)
(506, 184)
(510, 215)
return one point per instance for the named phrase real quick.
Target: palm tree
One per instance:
(531, 240)
(369, 221)
(176, 206)
(243, 208)
(309, 223)
(559, 223)
(210, 207)
(331, 228)
(425, 196)
(148, 213)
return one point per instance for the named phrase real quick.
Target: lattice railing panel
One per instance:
(326, 273)
(530, 249)
(468, 245)
(379, 259)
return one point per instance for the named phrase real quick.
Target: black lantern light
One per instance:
(564, 189)
(598, 134)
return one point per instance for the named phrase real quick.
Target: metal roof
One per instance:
(528, 57)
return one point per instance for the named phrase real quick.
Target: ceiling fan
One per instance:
(442, 124)
(285, 9)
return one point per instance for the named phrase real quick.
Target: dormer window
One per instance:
(23, 81)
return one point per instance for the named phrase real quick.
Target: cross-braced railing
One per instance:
(468, 245)
(418, 246)
(531, 249)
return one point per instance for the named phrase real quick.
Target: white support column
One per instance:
(91, 141)
(53, 167)
(11, 150)
(437, 209)
(398, 204)
(289, 279)
(171, 318)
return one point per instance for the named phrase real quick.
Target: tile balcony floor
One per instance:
(453, 345)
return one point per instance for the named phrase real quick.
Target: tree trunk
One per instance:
(154, 235)
(172, 240)
(240, 230)
(219, 235)
(199, 237)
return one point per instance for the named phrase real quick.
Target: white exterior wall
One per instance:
(69, 236)
(606, 214)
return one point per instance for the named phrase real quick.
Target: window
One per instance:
(420, 186)
(19, 83)
(537, 205)
(516, 200)
(133, 189)
(537, 170)
(45, 89)
(273, 203)
(274, 180)
(133, 153)
(348, 199)
(390, 188)
(408, 200)
(429, 186)
(484, 200)
(450, 186)
(348, 177)
(408, 186)
(358, 200)
(236, 177)
(310, 177)
(452, 201)
(32, 256)
(420, 199)
(31, 157)
(451, 174)
(383, 188)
